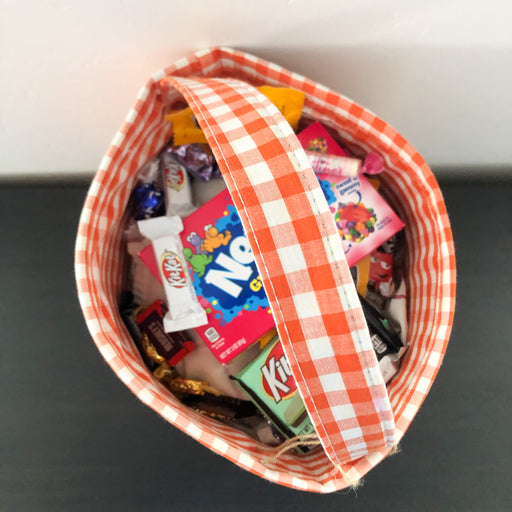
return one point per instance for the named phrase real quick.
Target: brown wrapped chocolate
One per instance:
(169, 346)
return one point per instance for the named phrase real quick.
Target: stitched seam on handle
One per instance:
(328, 241)
(290, 153)
(355, 338)
(283, 323)
(354, 333)
(364, 360)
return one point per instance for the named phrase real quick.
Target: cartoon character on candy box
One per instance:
(205, 247)
(213, 239)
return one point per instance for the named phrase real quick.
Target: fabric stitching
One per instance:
(283, 323)
(335, 260)
(284, 141)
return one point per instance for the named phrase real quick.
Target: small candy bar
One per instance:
(185, 312)
(178, 191)
(221, 408)
(384, 340)
(128, 311)
(387, 344)
(171, 346)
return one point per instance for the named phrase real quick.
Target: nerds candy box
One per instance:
(363, 218)
(225, 278)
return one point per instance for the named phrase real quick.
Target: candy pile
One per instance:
(194, 302)
(355, 222)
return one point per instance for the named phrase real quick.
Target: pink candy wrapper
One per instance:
(335, 165)
(317, 139)
(363, 218)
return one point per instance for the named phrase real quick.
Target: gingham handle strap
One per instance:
(300, 258)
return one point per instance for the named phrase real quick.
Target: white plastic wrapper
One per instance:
(178, 191)
(185, 312)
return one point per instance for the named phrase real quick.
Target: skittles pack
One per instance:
(225, 278)
(363, 218)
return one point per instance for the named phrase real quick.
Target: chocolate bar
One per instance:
(184, 310)
(173, 347)
(269, 382)
(178, 191)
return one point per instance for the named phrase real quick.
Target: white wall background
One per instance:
(439, 71)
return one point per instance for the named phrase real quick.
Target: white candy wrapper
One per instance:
(178, 191)
(185, 312)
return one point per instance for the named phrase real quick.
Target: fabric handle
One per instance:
(299, 255)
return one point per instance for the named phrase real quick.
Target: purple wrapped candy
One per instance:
(197, 159)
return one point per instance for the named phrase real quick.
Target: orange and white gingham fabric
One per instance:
(315, 307)
(300, 259)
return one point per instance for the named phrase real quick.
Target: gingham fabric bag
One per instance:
(298, 254)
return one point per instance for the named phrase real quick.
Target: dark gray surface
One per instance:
(73, 437)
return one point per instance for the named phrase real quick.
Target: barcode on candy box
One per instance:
(212, 334)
